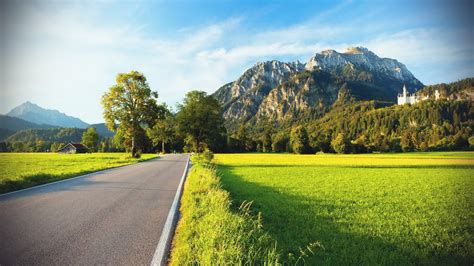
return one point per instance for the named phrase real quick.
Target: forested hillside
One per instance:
(429, 125)
(354, 126)
(51, 139)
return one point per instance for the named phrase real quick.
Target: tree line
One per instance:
(141, 125)
(361, 127)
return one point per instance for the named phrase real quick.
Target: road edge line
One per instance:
(160, 257)
(74, 177)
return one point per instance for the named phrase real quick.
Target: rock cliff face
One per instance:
(281, 91)
(242, 97)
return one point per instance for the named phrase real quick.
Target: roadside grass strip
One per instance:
(210, 233)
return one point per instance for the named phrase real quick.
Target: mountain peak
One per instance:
(36, 114)
(364, 60)
(357, 50)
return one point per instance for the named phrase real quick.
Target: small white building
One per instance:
(405, 97)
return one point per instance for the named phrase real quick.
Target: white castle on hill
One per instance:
(413, 98)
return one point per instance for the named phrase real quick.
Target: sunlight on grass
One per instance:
(405, 208)
(22, 170)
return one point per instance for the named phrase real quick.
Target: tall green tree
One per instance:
(299, 140)
(130, 107)
(200, 121)
(90, 138)
(280, 142)
(266, 138)
(340, 143)
(163, 131)
(242, 137)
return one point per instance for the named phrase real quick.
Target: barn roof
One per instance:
(78, 146)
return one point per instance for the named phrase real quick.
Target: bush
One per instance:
(138, 154)
(208, 155)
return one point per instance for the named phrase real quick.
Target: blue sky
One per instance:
(65, 54)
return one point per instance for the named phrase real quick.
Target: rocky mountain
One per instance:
(33, 113)
(279, 91)
(242, 97)
(362, 59)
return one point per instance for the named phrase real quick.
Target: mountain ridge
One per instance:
(31, 112)
(279, 91)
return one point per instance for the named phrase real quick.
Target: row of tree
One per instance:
(142, 125)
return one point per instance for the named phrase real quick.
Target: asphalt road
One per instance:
(112, 217)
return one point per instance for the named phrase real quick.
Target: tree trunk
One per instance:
(134, 150)
(163, 146)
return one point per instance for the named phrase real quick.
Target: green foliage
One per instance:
(471, 141)
(90, 138)
(280, 142)
(266, 139)
(429, 125)
(56, 146)
(210, 233)
(299, 140)
(199, 120)
(16, 171)
(129, 107)
(364, 209)
(340, 144)
(163, 131)
(48, 135)
(455, 90)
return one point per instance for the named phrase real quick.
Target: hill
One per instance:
(459, 90)
(56, 134)
(428, 125)
(9, 125)
(102, 130)
(33, 113)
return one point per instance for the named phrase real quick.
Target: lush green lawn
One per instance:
(22, 170)
(364, 209)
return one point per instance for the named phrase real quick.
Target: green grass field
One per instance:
(22, 170)
(411, 208)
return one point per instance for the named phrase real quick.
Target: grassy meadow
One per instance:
(23, 170)
(409, 208)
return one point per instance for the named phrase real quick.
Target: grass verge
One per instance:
(24, 170)
(210, 233)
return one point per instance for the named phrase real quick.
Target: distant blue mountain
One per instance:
(33, 113)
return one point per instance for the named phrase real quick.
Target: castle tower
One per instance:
(402, 98)
(436, 95)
